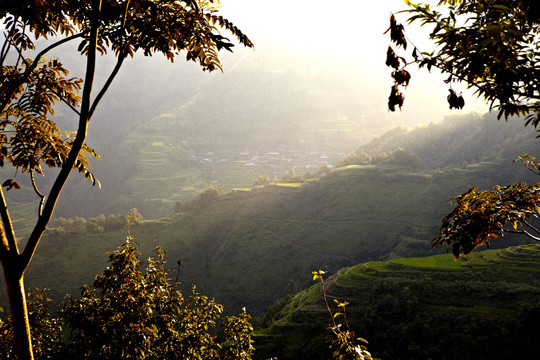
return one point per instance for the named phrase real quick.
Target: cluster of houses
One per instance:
(273, 162)
(280, 161)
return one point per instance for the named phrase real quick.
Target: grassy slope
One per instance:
(247, 246)
(418, 308)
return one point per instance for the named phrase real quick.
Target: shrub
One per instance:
(134, 313)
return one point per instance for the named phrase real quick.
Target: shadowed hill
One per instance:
(245, 247)
(423, 308)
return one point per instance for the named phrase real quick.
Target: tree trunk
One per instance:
(19, 313)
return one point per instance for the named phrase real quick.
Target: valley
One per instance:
(255, 246)
(298, 188)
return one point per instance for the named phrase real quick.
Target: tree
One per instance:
(290, 176)
(356, 158)
(481, 216)
(493, 47)
(32, 84)
(135, 313)
(133, 310)
(261, 181)
(46, 330)
(206, 197)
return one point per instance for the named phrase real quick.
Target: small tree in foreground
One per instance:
(343, 342)
(131, 312)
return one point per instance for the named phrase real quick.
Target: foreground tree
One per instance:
(133, 310)
(32, 84)
(493, 47)
(131, 313)
(46, 327)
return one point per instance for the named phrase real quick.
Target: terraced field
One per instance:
(158, 175)
(410, 308)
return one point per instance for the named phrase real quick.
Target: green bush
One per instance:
(134, 313)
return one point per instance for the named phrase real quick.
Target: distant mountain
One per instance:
(460, 139)
(161, 124)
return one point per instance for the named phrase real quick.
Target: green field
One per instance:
(490, 298)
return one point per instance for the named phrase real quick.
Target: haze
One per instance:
(316, 72)
(351, 32)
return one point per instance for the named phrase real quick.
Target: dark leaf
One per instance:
(396, 98)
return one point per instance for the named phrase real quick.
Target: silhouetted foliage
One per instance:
(483, 215)
(491, 46)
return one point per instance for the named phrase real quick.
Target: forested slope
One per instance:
(459, 139)
(485, 307)
(247, 247)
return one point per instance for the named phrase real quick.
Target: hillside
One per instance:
(459, 139)
(176, 155)
(169, 135)
(352, 215)
(246, 247)
(423, 308)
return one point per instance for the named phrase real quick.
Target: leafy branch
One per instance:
(484, 215)
(492, 47)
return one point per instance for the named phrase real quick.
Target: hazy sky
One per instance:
(351, 30)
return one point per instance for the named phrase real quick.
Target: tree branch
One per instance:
(36, 190)
(7, 45)
(48, 87)
(19, 50)
(121, 56)
(531, 226)
(7, 226)
(119, 61)
(523, 232)
(529, 235)
(12, 86)
(67, 167)
(65, 102)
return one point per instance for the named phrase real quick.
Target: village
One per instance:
(304, 156)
